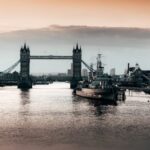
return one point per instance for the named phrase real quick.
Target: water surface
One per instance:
(50, 117)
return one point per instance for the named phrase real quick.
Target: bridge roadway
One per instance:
(51, 57)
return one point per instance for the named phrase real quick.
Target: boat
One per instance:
(146, 90)
(100, 88)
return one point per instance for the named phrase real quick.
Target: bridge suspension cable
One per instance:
(90, 68)
(8, 70)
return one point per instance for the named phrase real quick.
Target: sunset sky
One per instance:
(23, 14)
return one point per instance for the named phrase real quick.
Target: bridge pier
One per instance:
(25, 80)
(77, 54)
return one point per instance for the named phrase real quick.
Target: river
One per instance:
(49, 117)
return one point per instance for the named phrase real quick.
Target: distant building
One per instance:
(62, 74)
(69, 72)
(113, 72)
(71, 69)
(84, 72)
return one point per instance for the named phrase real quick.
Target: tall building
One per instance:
(84, 73)
(113, 72)
(71, 69)
(69, 73)
(77, 55)
(25, 80)
(77, 60)
(25, 62)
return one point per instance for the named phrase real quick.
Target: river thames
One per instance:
(49, 117)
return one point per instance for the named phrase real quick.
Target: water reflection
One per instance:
(52, 118)
(25, 97)
(24, 110)
(100, 107)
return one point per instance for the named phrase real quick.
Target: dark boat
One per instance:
(100, 88)
(147, 90)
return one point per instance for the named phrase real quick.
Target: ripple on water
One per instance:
(50, 116)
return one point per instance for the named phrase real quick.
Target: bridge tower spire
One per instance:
(25, 80)
(77, 58)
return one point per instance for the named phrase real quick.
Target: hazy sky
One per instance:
(20, 14)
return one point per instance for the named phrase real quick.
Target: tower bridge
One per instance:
(25, 57)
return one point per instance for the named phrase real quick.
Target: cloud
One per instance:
(124, 37)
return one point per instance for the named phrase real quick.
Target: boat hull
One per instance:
(97, 94)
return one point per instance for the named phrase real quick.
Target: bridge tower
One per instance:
(25, 80)
(77, 57)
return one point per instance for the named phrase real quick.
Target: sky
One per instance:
(25, 14)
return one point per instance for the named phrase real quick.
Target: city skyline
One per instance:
(18, 15)
(118, 45)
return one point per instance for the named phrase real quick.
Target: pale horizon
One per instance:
(15, 29)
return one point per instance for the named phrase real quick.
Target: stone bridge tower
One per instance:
(77, 57)
(25, 80)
